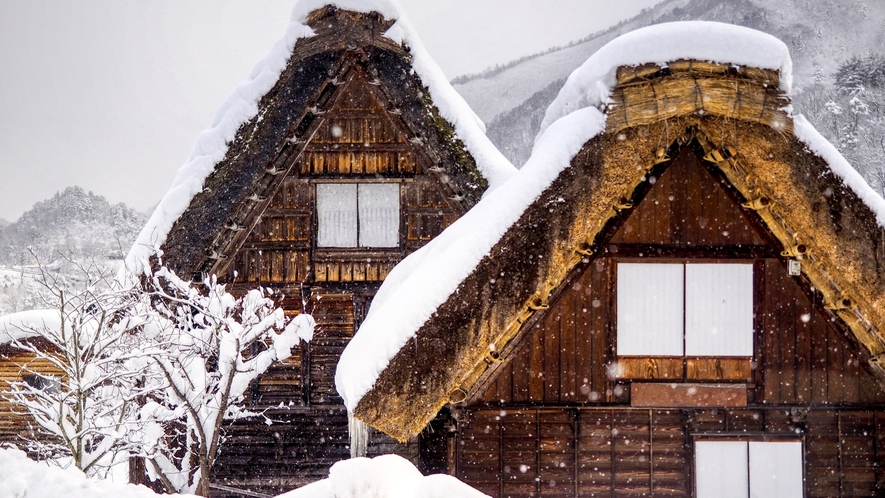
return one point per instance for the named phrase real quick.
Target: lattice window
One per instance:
(677, 309)
(358, 214)
(748, 469)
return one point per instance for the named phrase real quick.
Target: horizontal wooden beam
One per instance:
(661, 395)
(694, 252)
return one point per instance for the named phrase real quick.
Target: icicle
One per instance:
(359, 435)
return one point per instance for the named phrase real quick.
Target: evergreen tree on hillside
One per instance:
(859, 73)
(74, 224)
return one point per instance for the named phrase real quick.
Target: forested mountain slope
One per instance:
(74, 227)
(821, 34)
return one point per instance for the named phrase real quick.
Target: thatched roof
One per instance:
(738, 116)
(230, 184)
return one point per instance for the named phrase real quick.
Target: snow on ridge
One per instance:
(212, 144)
(820, 146)
(452, 106)
(591, 84)
(418, 285)
(209, 149)
(25, 324)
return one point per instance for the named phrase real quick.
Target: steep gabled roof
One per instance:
(430, 332)
(263, 129)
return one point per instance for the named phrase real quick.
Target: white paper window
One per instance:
(379, 215)
(719, 310)
(754, 469)
(336, 215)
(667, 309)
(721, 468)
(358, 215)
(650, 309)
(776, 469)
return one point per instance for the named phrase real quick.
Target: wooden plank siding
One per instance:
(308, 376)
(556, 418)
(687, 206)
(15, 425)
(625, 452)
(360, 140)
(826, 370)
(291, 447)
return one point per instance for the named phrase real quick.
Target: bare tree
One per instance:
(87, 405)
(207, 347)
(153, 370)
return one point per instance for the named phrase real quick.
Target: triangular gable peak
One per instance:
(346, 89)
(736, 118)
(687, 205)
(687, 212)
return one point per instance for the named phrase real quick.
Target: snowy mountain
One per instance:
(3, 222)
(821, 34)
(73, 227)
(74, 224)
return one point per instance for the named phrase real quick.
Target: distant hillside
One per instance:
(821, 35)
(3, 223)
(74, 224)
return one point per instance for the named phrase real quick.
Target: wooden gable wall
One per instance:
(802, 356)
(567, 357)
(358, 137)
(554, 418)
(361, 139)
(686, 206)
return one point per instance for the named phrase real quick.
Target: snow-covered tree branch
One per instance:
(152, 371)
(207, 347)
(84, 395)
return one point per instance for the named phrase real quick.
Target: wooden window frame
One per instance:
(42, 382)
(750, 437)
(736, 369)
(332, 251)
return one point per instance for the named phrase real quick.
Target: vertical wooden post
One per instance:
(305, 373)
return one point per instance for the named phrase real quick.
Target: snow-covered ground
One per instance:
(21, 477)
(386, 476)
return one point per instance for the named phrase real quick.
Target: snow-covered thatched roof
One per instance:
(441, 311)
(251, 127)
(26, 324)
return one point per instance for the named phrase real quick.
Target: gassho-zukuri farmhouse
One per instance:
(681, 293)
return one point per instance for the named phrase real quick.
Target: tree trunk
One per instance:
(203, 485)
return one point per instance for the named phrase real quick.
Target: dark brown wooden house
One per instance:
(348, 166)
(695, 306)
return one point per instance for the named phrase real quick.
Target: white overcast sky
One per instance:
(111, 94)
